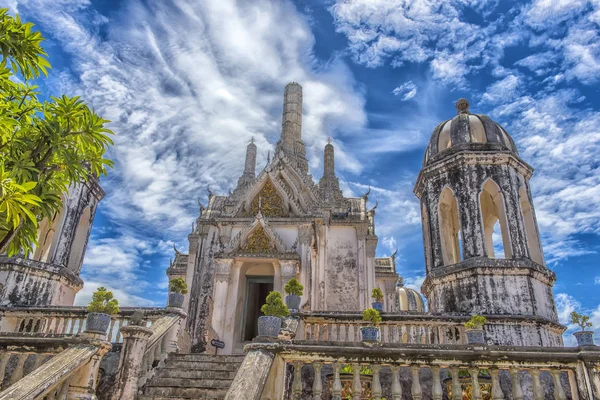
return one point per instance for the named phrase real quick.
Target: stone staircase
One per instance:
(192, 376)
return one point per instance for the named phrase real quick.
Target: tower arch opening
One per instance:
(491, 203)
(533, 239)
(449, 224)
(79, 241)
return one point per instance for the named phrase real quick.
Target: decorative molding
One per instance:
(305, 234)
(371, 246)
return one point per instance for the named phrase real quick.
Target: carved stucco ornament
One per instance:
(268, 202)
(259, 242)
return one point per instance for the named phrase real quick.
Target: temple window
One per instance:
(449, 227)
(493, 213)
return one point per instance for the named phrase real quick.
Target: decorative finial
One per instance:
(400, 282)
(252, 140)
(210, 193)
(462, 106)
(200, 206)
(393, 256)
(329, 140)
(176, 251)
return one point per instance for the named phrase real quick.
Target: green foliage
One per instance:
(45, 146)
(581, 320)
(274, 307)
(377, 295)
(476, 322)
(294, 288)
(364, 370)
(103, 302)
(371, 315)
(178, 285)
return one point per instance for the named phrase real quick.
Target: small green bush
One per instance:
(371, 315)
(274, 307)
(377, 295)
(178, 285)
(581, 320)
(293, 287)
(364, 370)
(476, 322)
(103, 302)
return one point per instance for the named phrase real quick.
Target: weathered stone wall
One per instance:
(342, 277)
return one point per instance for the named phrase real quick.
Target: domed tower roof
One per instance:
(409, 299)
(467, 131)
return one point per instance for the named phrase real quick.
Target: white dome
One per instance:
(409, 299)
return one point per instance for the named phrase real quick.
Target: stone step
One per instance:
(196, 383)
(184, 392)
(211, 366)
(207, 358)
(194, 373)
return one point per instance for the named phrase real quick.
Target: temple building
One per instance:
(279, 223)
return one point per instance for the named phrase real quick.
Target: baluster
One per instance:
(72, 327)
(317, 383)
(417, 392)
(346, 332)
(376, 385)
(517, 392)
(80, 326)
(357, 333)
(573, 385)
(453, 330)
(476, 393)
(39, 358)
(18, 324)
(53, 392)
(64, 390)
(559, 392)
(496, 389)
(396, 338)
(456, 389)
(119, 326)
(356, 385)
(336, 388)
(18, 371)
(297, 384)
(441, 332)
(436, 390)
(396, 387)
(3, 363)
(538, 391)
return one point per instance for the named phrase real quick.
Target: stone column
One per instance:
(135, 339)
(305, 235)
(222, 279)
(82, 385)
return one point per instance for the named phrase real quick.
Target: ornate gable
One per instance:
(258, 242)
(259, 239)
(268, 202)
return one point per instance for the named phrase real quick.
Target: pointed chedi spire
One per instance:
(249, 165)
(291, 143)
(329, 183)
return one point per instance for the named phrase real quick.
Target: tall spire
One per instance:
(249, 166)
(329, 183)
(291, 143)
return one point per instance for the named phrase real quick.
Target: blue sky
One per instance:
(188, 83)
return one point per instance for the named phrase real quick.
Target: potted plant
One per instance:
(270, 323)
(370, 333)
(294, 290)
(474, 329)
(102, 306)
(584, 338)
(377, 295)
(177, 288)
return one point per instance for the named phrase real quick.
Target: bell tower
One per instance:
(482, 246)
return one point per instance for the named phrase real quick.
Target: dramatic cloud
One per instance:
(407, 91)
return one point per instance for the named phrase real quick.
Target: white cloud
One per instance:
(125, 297)
(502, 91)
(597, 280)
(389, 242)
(407, 90)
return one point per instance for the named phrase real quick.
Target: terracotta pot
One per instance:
(369, 334)
(97, 322)
(292, 302)
(176, 300)
(269, 326)
(584, 338)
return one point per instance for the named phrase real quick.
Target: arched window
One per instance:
(449, 227)
(533, 240)
(79, 241)
(492, 211)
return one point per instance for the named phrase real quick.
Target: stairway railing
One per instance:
(425, 371)
(69, 374)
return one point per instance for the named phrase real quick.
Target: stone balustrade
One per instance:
(341, 370)
(66, 321)
(415, 328)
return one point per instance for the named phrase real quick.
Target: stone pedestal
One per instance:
(82, 385)
(135, 339)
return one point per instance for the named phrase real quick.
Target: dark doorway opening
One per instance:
(257, 289)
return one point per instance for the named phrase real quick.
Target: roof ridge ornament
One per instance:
(462, 106)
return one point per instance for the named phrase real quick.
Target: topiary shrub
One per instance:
(377, 295)
(274, 306)
(178, 285)
(293, 287)
(103, 302)
(476, 322)
(581, 320)
(371, 315)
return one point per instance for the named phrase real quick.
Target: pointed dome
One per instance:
(467, 131)
(409, 299)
